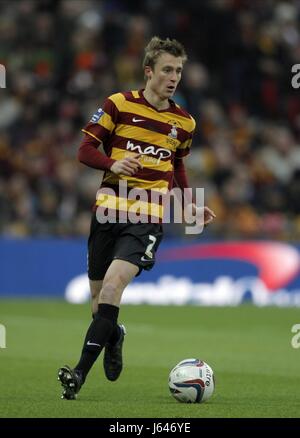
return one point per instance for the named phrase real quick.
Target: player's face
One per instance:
(165, 76)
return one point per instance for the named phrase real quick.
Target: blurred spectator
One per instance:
(64, 56)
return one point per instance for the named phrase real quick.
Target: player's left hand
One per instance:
(205, 213)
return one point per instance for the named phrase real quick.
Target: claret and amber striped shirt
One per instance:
(128, 124)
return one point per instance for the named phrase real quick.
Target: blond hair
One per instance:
(157, 46)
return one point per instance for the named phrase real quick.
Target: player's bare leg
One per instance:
(95, 288)
(118, 276)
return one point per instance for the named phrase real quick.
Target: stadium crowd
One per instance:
(63, 57)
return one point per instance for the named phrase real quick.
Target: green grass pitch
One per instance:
(249, 349)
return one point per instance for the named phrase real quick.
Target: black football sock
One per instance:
(115, 335)
(97, 336)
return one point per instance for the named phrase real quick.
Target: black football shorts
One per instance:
(135, 243)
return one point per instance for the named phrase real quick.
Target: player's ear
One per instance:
(148, 72)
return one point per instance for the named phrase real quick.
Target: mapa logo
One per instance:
(2, 76)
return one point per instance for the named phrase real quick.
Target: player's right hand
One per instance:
(128, 166)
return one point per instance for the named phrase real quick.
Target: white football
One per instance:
(192, 381)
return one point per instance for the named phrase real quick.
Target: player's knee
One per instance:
(94, 293)
(109, 291)
(95, 288)
(113, 286)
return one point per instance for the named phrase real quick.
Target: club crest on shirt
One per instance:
(96, 117)
(173, 132)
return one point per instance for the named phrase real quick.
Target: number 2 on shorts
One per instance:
(148, 251)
